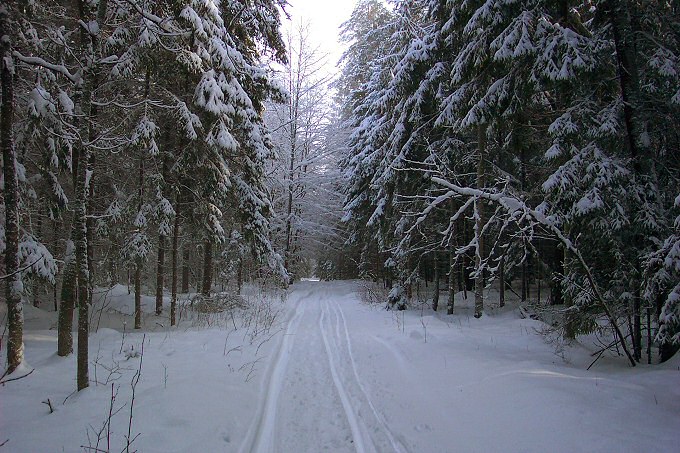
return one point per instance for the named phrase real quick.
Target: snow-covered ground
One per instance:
(320, 371)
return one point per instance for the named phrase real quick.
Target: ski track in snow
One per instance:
(360, 440)
(369, 430)
(262, 439)
(398, 447)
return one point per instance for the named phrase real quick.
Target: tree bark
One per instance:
(452, 283)
(160, 270)
(501, 276)
(479, 224)
(89, 43)
(623, 21)
(138, 260)
(13, 283)
(637, 326)
(525, 280)
(556, 296)
(90, 210)
(175, 242)
(207, 268)
(160, 274)
(138, 295)
(186, 256)
(83, 273)
(80, 236)
(66, 307)
(435, 295)
(239, 275)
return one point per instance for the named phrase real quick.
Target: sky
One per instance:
(324, 18)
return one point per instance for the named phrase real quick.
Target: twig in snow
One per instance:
(49, 404)
(135, 381)
(17, 378)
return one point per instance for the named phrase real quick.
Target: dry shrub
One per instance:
(373, 293)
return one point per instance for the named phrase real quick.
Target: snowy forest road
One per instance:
(349, 377)
(333, 374)
(313, 397)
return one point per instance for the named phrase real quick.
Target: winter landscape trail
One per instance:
(313, 397)
(333, 374)
(347, 377)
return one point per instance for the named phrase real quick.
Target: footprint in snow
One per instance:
(424, 427)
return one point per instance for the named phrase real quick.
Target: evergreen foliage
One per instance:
(562, 105)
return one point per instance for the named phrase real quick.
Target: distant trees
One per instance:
(304, 180)
(565, 106)
(134, 120)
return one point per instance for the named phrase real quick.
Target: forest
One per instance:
(521, 141)
(191, 150)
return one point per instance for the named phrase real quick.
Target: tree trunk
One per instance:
(56, 287)
(207, 268)
(623, 21)
(479, 225)
(569, 321)
(160, 270)
(637, 326)
(435, 295)
(556, 296)
(13, 282)
(160, 274)
(83, 290)
(239, 275)
(525, 280)
(175, 242)
(90, 220)
(501, 276)
(289, 215)
(186, 257)
(452, 283)
(67, 305)
(82, 270)
(138, 260)
(138, 295)
(649, 335)
(89, 43)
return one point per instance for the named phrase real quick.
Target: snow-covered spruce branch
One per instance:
(58, 68)
(164, 24)
(519, 211)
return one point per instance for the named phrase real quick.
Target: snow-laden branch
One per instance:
(58, 68)
(20, 270)
(163, 24)
(518, 210)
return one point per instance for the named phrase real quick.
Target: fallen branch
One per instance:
(17, 378)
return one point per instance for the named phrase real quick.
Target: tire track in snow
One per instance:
(398, 446)
(352, 419)
(260, 438)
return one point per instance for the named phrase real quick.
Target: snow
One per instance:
(333, 374)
